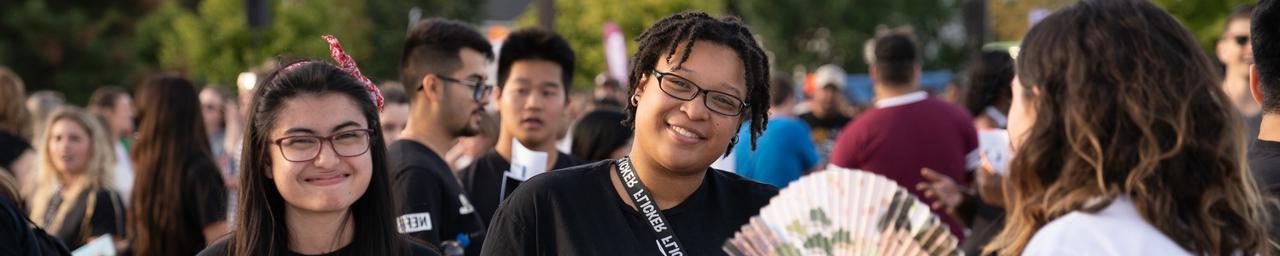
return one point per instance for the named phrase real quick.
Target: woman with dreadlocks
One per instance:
(696, 80)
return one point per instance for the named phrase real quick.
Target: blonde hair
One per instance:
(98, 170)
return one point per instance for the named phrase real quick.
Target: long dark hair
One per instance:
(989, 78)
(170, 135)
(598, 134)
(260, 223)
(1129, 105)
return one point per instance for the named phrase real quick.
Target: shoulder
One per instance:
(951, 111)
(743, 188)
(568, 177)
(218, 248)
(1115, 230)
(565, 181)
(484, 162)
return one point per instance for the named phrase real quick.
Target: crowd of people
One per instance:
(1127, 139)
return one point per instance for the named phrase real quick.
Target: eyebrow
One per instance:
(335, 128)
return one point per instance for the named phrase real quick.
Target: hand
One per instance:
(990, 184)
(945, 193)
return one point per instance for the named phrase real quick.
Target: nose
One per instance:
(328, 158)
(534, 102)
(696, 108)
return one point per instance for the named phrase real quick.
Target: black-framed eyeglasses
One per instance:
(479, 89)
(302, 148)
(683, 89)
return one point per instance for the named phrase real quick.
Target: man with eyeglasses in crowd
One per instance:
(1236, 54)
(443, 71)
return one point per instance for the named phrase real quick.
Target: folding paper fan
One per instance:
(843, 212)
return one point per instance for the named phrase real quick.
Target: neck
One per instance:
(73, 182)
(1237, 89)
(427, 131)
(318, 232)
(669, 188)
(1269, 130)
(504, 149)
(884, 91)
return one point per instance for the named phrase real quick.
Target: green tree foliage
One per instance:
(390, 20)
(214, 44)
(74, 46)
(810, 33)
(1204, 18)
(581, 22)
(69, 46)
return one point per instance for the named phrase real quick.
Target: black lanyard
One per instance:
(666, 240)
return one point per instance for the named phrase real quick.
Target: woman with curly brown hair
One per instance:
(1125, 143)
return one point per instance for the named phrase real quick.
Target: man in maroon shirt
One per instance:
(907, 130)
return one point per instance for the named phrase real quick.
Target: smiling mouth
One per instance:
(685, 135)
(327, 179)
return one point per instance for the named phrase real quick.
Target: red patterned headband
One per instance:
(349, 65)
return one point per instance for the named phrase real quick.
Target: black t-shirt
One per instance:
(483, 181)
(834, 122)
(219, 248)
(19, 237)
(204, 195)
(11, 147)
(577, 211)
(107, 217)
(434, 207)
(1264, 161)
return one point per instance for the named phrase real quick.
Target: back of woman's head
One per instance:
(260, 226)
(14, 117)
(989, 78)
(1126, 103)
(170, 136)
(598, 134)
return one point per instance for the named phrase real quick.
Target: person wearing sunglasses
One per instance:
(696, 80)
(443, 71)
(1235, 52)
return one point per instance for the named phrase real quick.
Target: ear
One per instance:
(431, 87)
(1221, 50)
(1253, 84)
(640, 87)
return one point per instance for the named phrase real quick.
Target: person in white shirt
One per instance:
(1125, 144)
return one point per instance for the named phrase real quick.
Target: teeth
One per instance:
(684, 132)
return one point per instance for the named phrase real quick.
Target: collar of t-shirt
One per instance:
(902, 99)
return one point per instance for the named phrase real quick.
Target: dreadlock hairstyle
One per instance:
(681, 30)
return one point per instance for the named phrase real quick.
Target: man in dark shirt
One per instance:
(1264, 82)
(443, 69)
(907, 130)
(825, 118)
(535, 68)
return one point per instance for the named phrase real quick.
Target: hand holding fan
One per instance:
(843, 212)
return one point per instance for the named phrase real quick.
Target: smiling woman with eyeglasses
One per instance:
(314, 179)
(697, 79)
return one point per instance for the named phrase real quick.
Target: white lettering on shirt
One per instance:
(413, 222)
